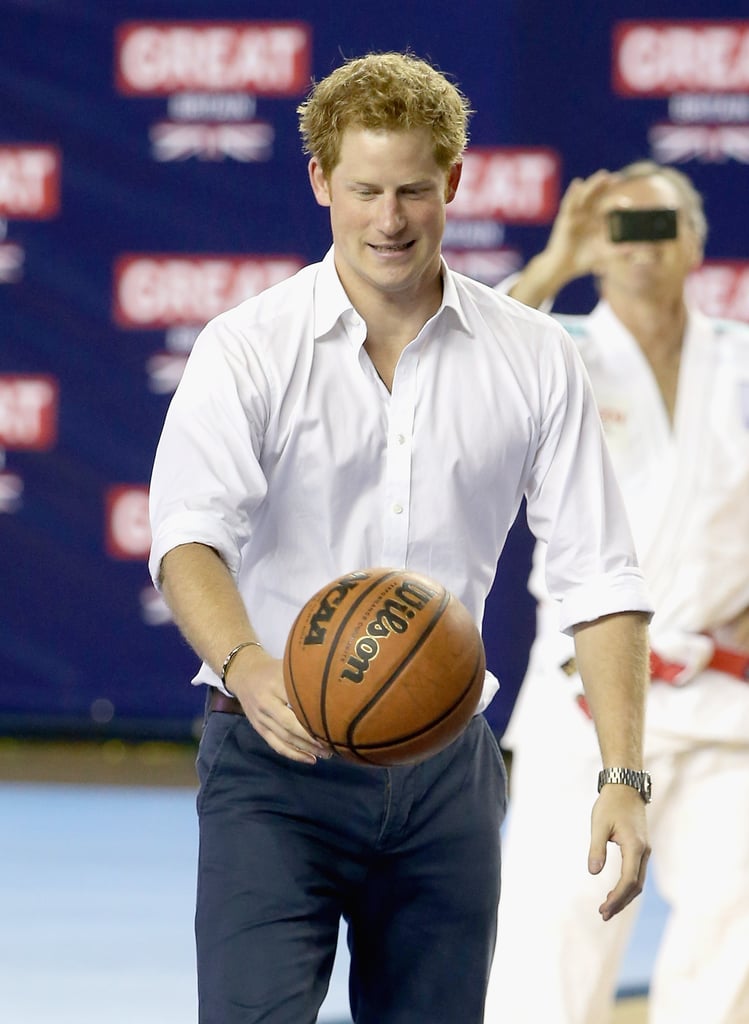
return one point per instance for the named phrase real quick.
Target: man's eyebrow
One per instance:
(421, 183)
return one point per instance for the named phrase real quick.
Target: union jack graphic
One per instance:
(707, 143)
(11, 262)
(165, 371)
(11, 492)
(248, 142)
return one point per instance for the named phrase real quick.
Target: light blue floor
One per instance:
(96, 902)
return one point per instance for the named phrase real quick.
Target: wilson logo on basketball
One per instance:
(264, 58)
(393, 617)
(29, 182)
(658, 58)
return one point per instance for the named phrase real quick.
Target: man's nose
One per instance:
(390, 216)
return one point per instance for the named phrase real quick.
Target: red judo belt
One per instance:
(725, 659)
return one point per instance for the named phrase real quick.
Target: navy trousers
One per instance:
(409, 856)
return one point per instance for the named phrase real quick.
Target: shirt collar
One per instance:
(451, 297)
(332, 302)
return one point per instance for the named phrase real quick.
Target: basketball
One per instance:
(384, 665)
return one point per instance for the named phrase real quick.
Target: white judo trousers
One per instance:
(687, 493)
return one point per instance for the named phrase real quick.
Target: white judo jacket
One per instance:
(686, 489)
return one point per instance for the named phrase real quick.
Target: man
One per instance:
(672, 388)
(377, 409)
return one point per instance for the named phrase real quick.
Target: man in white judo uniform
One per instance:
(673, 393)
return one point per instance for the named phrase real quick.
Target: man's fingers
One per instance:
(630, 884)
(620, 897)
(300, 739)
(596, 857)
(282, 731)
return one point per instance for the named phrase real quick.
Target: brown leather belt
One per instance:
(218, 701)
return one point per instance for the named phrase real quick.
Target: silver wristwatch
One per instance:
(627, 777)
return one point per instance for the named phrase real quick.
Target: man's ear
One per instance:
(453, 177)
(696, 250)
(319, 182)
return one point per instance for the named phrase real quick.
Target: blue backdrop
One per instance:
(151, 175)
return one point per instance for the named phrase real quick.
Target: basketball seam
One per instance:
(299, 704)
(384, 746)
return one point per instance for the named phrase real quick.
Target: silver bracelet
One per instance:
(231, 656)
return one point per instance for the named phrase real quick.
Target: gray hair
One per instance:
(690, 197)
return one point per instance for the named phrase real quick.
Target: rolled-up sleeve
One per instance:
(206, 477)
(575, 505)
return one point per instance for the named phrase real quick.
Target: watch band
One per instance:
(627, 777)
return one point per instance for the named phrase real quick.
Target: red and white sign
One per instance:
(721, 289)
(128, 531)
(659, 58)
(28, 411)
(29, 182)
(519, 186)
(154, 291)
(157, 58)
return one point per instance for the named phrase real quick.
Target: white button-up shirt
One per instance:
(284, 451)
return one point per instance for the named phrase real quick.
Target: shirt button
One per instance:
(397, 509)
(400, 438)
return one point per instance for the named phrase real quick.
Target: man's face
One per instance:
(387, 199)
(646, 268)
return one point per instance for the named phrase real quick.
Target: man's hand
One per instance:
(257, 681)
(573, 243)
(576, 231)
(618, 816)
(211, 615)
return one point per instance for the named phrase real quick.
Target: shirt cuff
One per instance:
(192, 528)
(622, 591)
